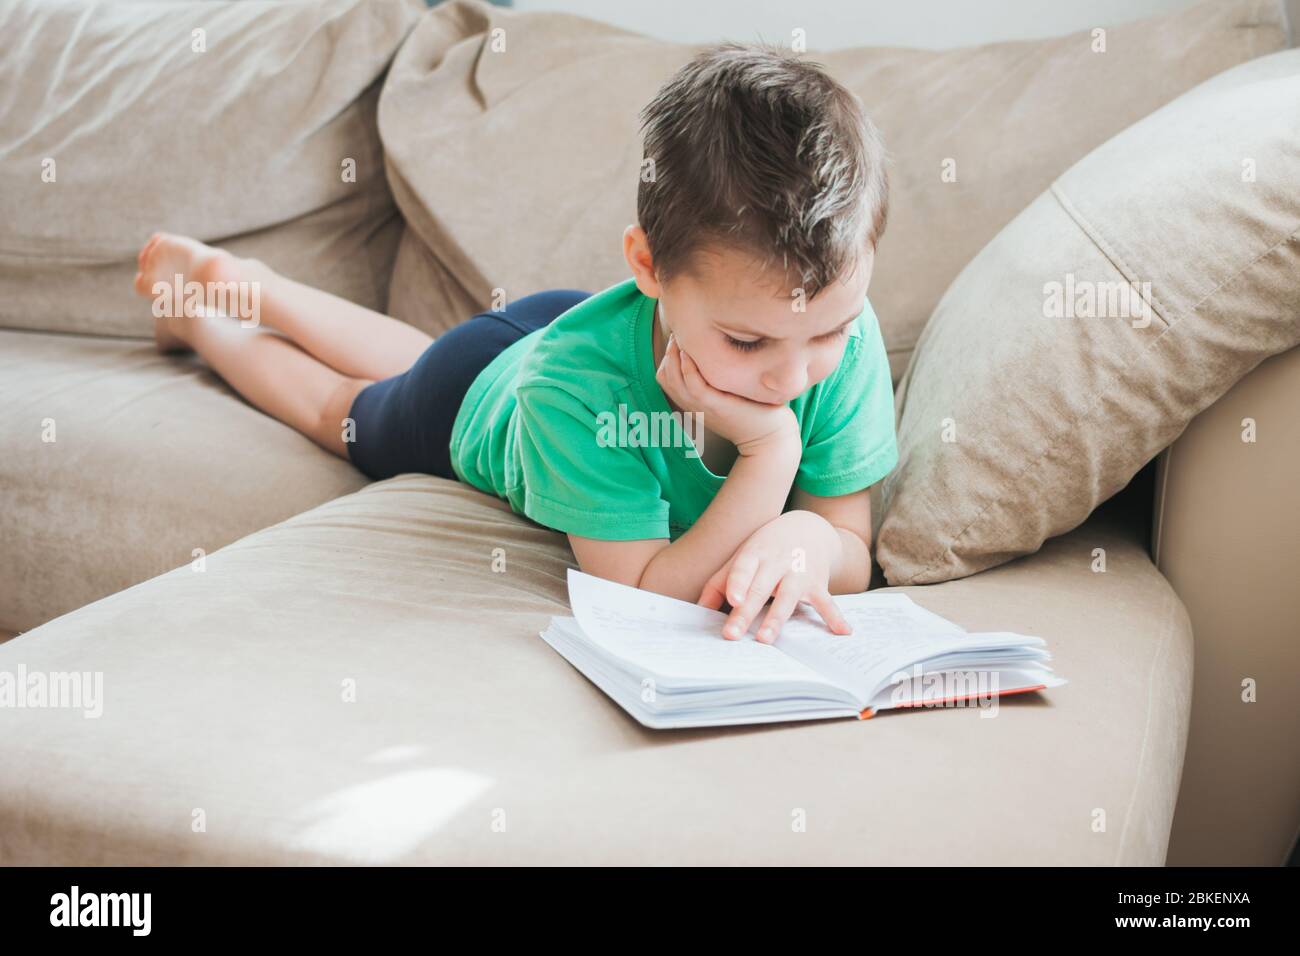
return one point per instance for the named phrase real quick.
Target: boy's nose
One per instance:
(787, 381)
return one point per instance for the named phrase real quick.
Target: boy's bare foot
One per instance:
(166, 256)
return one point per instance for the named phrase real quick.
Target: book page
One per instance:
(890, 632)
(666, 637)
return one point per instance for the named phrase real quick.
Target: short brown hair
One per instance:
(755, 147)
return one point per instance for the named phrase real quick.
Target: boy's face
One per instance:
(745, 334)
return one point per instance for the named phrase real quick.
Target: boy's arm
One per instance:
(754, 493)
(850, 516)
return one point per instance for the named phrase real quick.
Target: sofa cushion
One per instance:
(151, 458)
(365, 683)
(248, 124)
(1081, 341)
(513, 145)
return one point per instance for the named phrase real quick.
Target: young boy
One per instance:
(762, 197)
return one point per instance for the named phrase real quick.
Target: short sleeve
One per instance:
(850, 444)
(575, 480)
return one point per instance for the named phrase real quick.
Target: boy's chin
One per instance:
(757, 401)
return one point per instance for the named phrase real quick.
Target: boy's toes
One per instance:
(142, 284)
(150, 246)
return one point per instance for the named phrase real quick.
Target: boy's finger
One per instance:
(690, 374)
(674, 365)
(760, 589)
(700, 383)
(713, 595)
(783, 605)
(830, 611)
(669, 377)
(740, 577)
(740, 581)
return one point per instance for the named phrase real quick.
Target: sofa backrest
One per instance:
(251, 125)
(513, 144)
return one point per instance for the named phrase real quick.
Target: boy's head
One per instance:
(764, 192)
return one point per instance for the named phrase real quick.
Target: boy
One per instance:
(762, 198)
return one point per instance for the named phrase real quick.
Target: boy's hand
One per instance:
(745, 423)
(792, 554)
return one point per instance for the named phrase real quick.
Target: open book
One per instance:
(667, 664)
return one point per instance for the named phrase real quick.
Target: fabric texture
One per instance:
(427, 597)
(974, 134)
(248, 125)
(1081, 341)
(403, 423)
(120, 464)
(571, 427)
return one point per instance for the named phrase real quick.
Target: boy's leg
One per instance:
(354, 340)
(349, 337)
(275, 375)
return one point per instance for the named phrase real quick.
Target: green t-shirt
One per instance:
(570, 426)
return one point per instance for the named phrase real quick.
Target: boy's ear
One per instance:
(636, 250)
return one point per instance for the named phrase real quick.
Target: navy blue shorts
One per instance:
(403, 423)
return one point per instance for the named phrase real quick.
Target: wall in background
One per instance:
(831, 24)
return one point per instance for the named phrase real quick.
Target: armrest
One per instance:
(1227, 536)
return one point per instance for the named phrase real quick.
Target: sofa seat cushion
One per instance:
(364, 683)
(153, 457)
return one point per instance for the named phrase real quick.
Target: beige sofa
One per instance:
(300, 666)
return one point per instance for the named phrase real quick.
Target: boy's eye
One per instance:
(744, 346)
